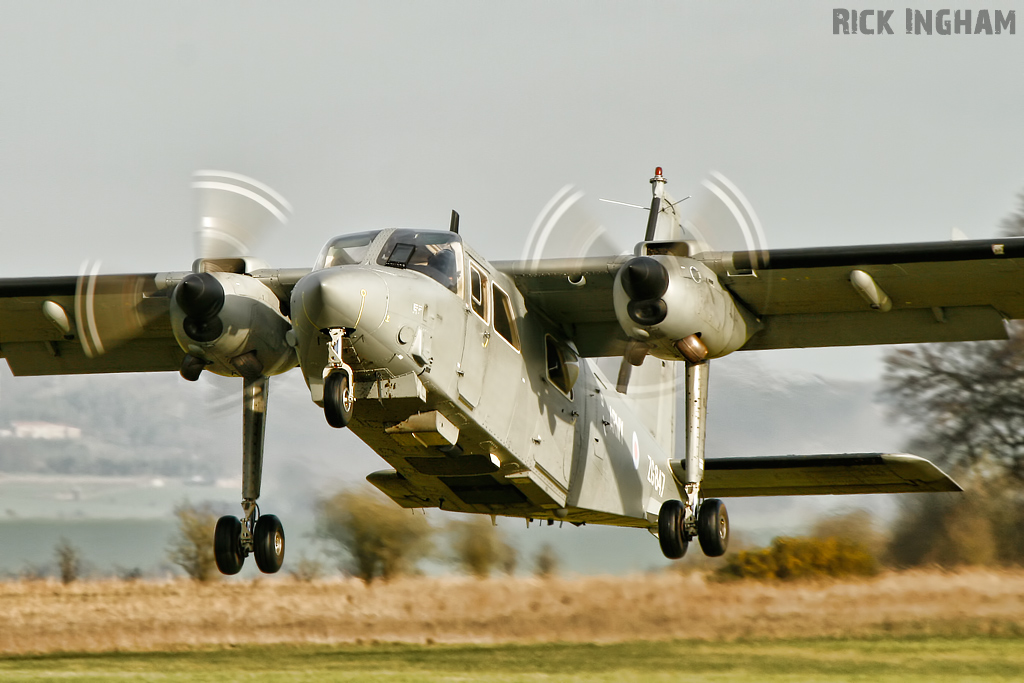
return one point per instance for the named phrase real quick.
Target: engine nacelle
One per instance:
(677, 308)
(232, 324)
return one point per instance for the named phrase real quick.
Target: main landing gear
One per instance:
(260, 535)
(679, 521)
(264, 539)
(712, 528)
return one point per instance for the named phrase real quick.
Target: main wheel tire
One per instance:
(227, 545)
(713, 527)
(670, 529)
(338, 400)
(268, 544)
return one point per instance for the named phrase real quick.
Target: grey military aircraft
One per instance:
(477, 382)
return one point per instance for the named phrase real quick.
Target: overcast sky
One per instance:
(369, 115)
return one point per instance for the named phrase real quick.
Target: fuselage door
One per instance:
(478, 337)
(556, 426)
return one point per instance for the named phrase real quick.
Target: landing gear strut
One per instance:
(680, 521)
(261, 535)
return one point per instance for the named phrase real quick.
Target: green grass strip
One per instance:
(903, 660)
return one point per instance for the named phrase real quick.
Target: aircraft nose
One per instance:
(347, 296)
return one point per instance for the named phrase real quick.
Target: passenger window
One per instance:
(563, 365)
(478, 291)
(504, 317)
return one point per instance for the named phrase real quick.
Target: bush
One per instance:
(376, 538)
(546, 561)
(69, 561)
(478, 547)
(192, 545)
(800, 558)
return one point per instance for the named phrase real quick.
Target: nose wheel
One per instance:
(338, 396)
(338, 400)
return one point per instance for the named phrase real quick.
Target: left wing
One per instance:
(939, 291)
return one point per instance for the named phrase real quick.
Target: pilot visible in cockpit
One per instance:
(445, 264)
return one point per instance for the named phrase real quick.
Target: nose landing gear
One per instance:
(339, 399)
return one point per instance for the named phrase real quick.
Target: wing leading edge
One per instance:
(805, 475)
(940, 292)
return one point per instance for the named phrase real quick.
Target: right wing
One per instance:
(805, 475)
(34, 344)
(121, 323)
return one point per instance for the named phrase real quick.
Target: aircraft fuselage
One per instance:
(523, 427)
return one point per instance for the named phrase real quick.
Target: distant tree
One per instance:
(478, 547)
(192, 545)
(968, 397)
(69, 561)
(375, 537)
(1013, 225)
(546, 561)
(967, 400)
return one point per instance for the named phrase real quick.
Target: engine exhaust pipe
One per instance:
(692, 348)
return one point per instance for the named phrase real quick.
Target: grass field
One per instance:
(898, 626)
(904, 660)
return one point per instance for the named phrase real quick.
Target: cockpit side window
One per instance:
(346, 250)
(438, 255)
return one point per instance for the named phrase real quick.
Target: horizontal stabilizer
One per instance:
(806, 475)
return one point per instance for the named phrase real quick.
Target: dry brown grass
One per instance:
(44, 616)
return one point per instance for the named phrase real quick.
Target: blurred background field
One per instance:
(115, 615)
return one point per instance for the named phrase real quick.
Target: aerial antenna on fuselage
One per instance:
(454, 227)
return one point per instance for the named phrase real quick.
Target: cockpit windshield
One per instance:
(346, 250)
(438, 255)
